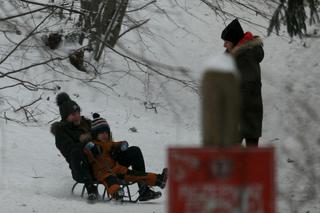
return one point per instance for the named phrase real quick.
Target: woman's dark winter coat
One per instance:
(248, 57)
(67, 135)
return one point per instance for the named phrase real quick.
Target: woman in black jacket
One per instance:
(71, 136)
(248, 53)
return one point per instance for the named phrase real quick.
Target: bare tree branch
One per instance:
(133, 27)
(27, 37)
(32, 65)
(62, 6)
(27, 105)
(6, 118)
(23, 14)
(142, 7)
(215, 8)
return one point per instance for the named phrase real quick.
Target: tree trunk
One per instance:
(112, 15)
(103, 21)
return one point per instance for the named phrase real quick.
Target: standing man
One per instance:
(247, 51)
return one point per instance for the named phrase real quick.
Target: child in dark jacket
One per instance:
(107, 170)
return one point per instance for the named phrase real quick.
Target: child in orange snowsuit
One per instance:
(107, 170)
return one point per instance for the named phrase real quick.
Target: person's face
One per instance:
(103, 136)
(74, 118)
(228, 45)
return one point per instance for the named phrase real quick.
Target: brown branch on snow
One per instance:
(254, 9)
(151, 64)
(142, 7)
(27, 37)
(86, 81)
(10, 86)
(27, 84)
(133, 27)
(150, 105)
(36, 87)
(96, 72)
(6, 118)
(148, 64)
(23, 14)
(28, 105)
(2, 75)
(217, 9)
(54, 6)
(53, 119)
(29, 114)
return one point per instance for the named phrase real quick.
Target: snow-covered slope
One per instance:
(34, 177)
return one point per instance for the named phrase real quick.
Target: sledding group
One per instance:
(94, 157)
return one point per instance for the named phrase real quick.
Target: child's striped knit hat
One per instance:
(99, 124)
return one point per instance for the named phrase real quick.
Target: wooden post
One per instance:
(220, 108)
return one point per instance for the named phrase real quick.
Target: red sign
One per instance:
(230, 180)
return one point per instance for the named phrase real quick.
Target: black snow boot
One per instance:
(147, 194)
(162, 178)
(118, 195)
(93, 193)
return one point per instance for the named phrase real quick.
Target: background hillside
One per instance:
(34, 176)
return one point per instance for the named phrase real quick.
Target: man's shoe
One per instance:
(92, 197)
(148, 194)
(162, 178)
(93, 193)
(118, 195)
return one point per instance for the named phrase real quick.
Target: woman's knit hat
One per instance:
(233, 32)
(66, 105)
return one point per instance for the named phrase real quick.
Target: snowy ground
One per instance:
(35, 178)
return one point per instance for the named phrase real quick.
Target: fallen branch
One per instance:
(142, 7)
(133, 27)
(54, 6)
(27, 105)
(6, 118)
(27, 37)
(147, 65)
(23, 14)
(30, 66)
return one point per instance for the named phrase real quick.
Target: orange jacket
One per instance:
(107, 148)
(103, 165)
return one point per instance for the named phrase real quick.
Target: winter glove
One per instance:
(124, 146)
(94, 149)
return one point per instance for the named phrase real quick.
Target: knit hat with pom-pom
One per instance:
(66, 105)
(98, 125)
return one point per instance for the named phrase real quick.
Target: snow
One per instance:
(221, 63)
(34, 177)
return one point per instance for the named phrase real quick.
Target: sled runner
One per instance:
(128, 197)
